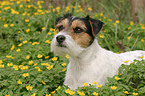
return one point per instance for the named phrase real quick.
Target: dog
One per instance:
(88, 62)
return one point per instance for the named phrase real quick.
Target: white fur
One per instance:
(92, 63)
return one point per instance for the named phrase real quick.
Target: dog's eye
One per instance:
(60, 28)
(77, 30)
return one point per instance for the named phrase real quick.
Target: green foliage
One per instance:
(27, 67)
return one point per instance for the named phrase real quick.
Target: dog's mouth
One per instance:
(61, 45)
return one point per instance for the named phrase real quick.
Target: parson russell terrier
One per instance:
(88, 62)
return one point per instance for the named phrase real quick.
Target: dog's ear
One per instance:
(58, 20)
(96, 25)
(61, 18)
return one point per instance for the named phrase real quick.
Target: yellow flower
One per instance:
(29, 87)
(142, 27)
(99, 86)
(54, 58)
(11, 25)
(24, 67)
(58, 88)
(67, 56)
(114, 24)
(48, 41)
(129, 28)
(49, 33)
(49, 67)
(43, 28)
(5, 25)
(63, 64)
(81, 93)
(20, 44)
(96, 15)
(35, 64)
(135, 93)
(68, 91)
(24, 42)
(141, 57)
(18, 50)
(25, 74)
(131, 23)
(128, 37)
(21, 6)
(43, 82)
(13, 46)
(16, 67)
(35, 43)
(8, 56)
(1, 61)
(53, 92)
(101, 14)
(39, 56)
(142, 40)
(1, 66)
(27, 20)
(94, 82)
(64, 69)
(19, 81)
(46, 57)
(33, 94)
(126, 61)
(126, 92)
(117, 78)
(95, 94)
(51, 29)
(57, 8)
(110, 20)
(113, 87)
(85, 84)
(27, 30)
(101, 36)
(27, 57)
(30, 62)
(9, 64)
(90, 9)
(48, 95)
(117, 21)
(8, 95)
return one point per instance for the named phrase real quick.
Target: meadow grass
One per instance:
(28, 68)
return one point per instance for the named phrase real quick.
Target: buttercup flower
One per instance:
(99, 86)
(39, 56)
(29, 87)
(126, 92)
(25, 74)
(95, 94)
(135, 93)
(117, 78)
(113, 87)
(85, 84)
(19, 81)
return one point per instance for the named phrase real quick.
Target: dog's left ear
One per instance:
(96, 25)
(58, 20)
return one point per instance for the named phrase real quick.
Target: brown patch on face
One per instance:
(83, 39)
(63, 23)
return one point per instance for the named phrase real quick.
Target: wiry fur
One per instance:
(92, 63)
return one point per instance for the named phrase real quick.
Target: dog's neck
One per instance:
(87, 55)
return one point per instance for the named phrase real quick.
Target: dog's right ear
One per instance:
(58, 20)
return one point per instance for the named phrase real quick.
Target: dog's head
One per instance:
(75, 34)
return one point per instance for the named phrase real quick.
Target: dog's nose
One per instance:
(60, 38)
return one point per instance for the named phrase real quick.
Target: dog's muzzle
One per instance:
(60, 39)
